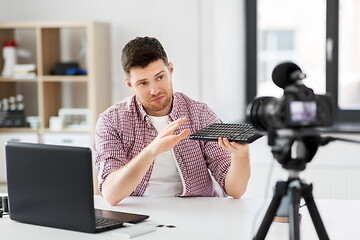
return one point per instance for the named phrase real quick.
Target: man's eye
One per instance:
(160, 77)
(142, 84)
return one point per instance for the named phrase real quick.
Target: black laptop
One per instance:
(52, 186)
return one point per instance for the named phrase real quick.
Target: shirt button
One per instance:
(146, 182)
(153, 133)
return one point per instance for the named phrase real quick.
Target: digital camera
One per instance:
(299, 107)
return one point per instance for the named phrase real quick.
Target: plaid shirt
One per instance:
(124, 129)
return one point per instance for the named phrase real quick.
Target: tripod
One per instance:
(296, 189)
(306, 147)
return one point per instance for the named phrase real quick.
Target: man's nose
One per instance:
(154, 89)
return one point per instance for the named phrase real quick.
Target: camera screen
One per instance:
(303, 111)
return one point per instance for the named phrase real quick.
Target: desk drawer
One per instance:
(68, 139)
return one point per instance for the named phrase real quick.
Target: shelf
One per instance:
(47, 24)
(47, 78)
(42, 130)
(50, 43)
(6, 130)
(9, 79)
(48, 130)
(77, 78)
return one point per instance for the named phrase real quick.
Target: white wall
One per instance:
(223, 57)
(204, 39)
(3, 8)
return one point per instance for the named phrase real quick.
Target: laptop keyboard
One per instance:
(107, 222)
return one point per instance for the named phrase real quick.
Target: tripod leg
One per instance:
(280, 191)
(294, 210)
(314, 213)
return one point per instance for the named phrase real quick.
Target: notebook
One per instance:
(52, 186)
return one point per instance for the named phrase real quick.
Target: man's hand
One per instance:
(166, 140)
(122, 182)
(238, 151)
(237, 177)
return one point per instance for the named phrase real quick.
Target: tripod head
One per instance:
(294, 148)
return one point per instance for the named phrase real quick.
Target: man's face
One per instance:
(152, 86)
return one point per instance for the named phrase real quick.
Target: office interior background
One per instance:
(206, 41)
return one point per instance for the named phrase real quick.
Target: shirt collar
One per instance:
(140, 108)
(176, 108)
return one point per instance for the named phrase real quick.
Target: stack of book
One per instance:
(24, 71)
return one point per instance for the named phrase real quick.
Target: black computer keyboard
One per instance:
(240, 133)
(107, 222)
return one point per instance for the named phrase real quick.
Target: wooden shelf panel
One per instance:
(42, 130)
(78, 78)
(27, 130)
(9, 79)
(47, 24)
(48, 130)
(48, 78)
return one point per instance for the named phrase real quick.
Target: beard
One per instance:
(160, 105)
(165, 103)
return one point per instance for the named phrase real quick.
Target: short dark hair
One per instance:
(142, 51)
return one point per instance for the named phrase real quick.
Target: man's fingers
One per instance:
(237, 146)
(183, 134)
(221, 143)
(172, 126)
(224, 143)
(169, 142)
(228, 144)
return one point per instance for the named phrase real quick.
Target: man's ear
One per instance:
(171, 67)
(128, 82)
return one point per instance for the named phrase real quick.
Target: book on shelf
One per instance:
(24, 71)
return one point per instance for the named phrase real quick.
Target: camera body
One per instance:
(299, 107)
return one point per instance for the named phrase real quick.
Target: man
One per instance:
(141, 146)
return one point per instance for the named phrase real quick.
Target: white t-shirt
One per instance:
(165, 180)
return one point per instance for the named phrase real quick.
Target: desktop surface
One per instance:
(203, 218)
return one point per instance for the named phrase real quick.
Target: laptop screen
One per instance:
(50, 185)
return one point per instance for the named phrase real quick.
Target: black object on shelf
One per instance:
(11, 119)
(61, 67)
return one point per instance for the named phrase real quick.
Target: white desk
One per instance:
(204, 218)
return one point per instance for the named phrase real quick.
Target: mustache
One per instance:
(157, 96)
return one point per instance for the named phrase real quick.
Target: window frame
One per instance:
(348, 117)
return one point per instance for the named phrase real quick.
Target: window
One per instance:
(275, 46)
(321, 36)
(349, 55)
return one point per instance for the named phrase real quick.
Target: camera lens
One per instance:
(261, 112)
